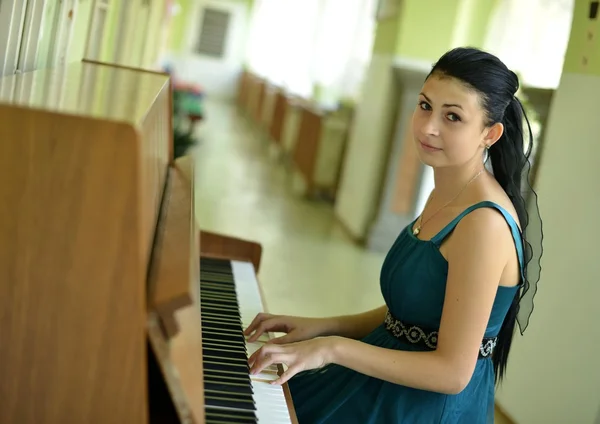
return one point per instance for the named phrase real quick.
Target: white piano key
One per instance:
(270, 399)
(264, 377)
(271, 406)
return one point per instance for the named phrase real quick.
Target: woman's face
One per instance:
(448, 124)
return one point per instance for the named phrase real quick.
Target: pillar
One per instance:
(374, 159)
(369, 134)
(553, 374)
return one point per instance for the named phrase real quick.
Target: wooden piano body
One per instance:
(99, 252)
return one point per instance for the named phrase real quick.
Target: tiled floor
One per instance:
(309, 266)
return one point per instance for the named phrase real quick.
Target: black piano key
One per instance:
(220, 304)
(217, 273)
(216, 343)
(227, 360)
(216, 266)
(230, 327)
(208, 298)
(245, 398)
(218, 295)
(222, 416)
(215, 365)
(228, 375)
(209, 259)
(217, 269)
(216, 309)
(230, 413)
(219, 318)
(223, 335)
(228, 401)
(218, 277)
(224, 316)
(224, 353)
(219, 345)
(218, 287)
(237, 382)
(213, 293)
(229, 387)
(225, 357)
(221, 326)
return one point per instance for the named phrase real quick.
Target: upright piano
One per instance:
(114, 306)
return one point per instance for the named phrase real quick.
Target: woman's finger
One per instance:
(265, 350)
(271, 324)
(268, 359)
(288, 338)
(289, 373)
(256, 321)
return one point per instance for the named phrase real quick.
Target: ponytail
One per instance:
(509, 157)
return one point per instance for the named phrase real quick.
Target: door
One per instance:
(12, 22)
(57, 29)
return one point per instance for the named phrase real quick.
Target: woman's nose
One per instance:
(431, 126)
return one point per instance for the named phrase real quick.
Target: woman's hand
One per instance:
(300, 356)
(297, 329)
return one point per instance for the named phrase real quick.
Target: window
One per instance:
(213, 32)
(531, 37)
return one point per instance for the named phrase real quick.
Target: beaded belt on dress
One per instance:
(426, 338)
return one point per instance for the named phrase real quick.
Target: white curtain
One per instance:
(343, 51)
(531, 37)
(302, 43)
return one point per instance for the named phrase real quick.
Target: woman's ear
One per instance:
(493, 134)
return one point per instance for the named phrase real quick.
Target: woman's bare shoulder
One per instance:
(493, 192)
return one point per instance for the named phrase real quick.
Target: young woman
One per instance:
(453, 282)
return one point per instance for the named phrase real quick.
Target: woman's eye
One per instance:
(424, 105)
(453, 117)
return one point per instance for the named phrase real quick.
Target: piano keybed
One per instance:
(230, 299)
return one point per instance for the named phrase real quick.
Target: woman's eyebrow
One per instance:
(444, 105)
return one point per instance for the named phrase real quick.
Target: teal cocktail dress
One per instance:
(413, 283)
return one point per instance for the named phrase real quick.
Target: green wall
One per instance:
(179, 25)
(479, 18)
(386, 36)
(580, 45)
(426, 28)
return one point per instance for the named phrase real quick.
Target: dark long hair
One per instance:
(497, 86)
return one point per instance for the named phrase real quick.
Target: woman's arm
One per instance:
(299, 328)
(477, 256)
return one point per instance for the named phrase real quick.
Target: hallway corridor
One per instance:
(309, 266)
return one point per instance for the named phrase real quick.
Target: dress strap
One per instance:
(514, 228)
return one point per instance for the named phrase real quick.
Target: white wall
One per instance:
(365, 161)
(218, 77)
(553, 371)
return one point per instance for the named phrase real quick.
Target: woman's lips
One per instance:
(428, 148)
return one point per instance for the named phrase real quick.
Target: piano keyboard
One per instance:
(229, 301)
